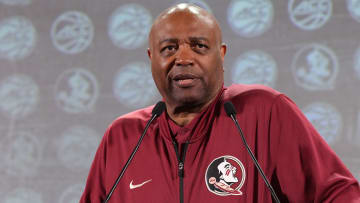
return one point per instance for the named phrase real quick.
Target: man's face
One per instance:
(228, 172)
(186, 58)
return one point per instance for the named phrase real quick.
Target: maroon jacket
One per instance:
(209, 163)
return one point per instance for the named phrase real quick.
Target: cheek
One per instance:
(159, 75)
(159, 64)
(214, 62)
(219, 69)
(215, 71)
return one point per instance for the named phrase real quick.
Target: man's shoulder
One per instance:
(251, 98)
(135, 118)
(242, 90)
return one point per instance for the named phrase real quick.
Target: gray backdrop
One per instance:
(68, 68)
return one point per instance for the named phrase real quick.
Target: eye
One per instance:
(201, 46)
(169, 48)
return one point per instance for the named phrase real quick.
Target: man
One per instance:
(179, 157)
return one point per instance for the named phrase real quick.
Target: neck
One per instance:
(183, 119)
(185, 113)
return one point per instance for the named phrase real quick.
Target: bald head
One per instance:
(188, 13)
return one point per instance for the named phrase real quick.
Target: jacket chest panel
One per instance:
(205, 161)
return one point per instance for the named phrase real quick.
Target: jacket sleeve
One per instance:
(94, 191)
(307, 169)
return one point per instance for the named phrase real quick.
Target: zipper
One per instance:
(181, 161)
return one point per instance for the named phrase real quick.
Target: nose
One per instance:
(184, 56)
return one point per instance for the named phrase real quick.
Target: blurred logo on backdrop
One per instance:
(315, 67)
(357, 63)
(134, 87)
(76, 147)
(255, 67)
(76, 91)
(17, 38)
(199, 3)
(326, 119)
(21, 154)
(129, 26)
(353, 7)
(21, 195)
(72, 194)
(72, 32)
(16, 2)
(19, 95)
(250, 18)
(309, 14)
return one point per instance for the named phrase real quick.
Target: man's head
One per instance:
(187, 54)
(227, 172)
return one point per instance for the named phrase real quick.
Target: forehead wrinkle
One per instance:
(190, 39)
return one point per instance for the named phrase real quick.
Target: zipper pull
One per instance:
(181, 169)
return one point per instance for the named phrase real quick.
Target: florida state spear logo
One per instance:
(225, 176)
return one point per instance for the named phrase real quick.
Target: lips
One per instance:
(184, 80)
(183, 77)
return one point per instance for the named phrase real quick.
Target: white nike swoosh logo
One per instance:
(138, 185)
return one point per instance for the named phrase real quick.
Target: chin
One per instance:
(181, 100)
(191, 97)
(189, 100)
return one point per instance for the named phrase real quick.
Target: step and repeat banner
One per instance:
(68, 68)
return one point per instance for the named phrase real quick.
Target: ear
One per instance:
(149, 53)
(223, 51)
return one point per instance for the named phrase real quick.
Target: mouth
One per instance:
(184, 80)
